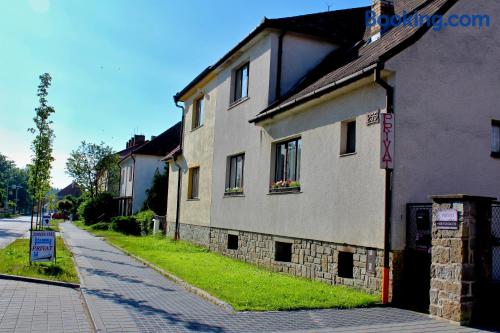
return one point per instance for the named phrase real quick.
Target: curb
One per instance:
(195, 290)
(42, 281)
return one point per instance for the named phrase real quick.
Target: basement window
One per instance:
(346, 265)
(283, 251)
(232, 242)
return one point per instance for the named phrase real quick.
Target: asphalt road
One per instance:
(11, 229)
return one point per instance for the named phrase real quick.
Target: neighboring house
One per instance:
(139, 165)
(72, 189)
(299, 102)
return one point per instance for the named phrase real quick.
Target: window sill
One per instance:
(194, 129)
(495, 154)
(193, 199)
(347, 154)
(238, 102)
(285, 190)
(233, 194)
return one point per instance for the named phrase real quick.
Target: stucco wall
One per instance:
(197, 152)
(300, 55)
(126, 182)
(342, 197)
(447, 92)
(145, 169)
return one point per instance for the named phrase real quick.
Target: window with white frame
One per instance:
(240, 83)
(198, 112)
(236, 165)
(287, 165)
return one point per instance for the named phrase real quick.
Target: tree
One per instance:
(11, 175)
(87, 163)
(41, 163)
(6, 171)
(156, 196)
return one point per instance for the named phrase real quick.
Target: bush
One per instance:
(97, 209)
(127, 225)
(100, 226)
(145, 219)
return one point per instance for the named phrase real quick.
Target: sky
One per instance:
(115, 64)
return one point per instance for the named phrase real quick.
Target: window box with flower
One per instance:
(233, 191)
(285, 186)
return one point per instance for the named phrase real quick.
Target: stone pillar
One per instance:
(461, 256)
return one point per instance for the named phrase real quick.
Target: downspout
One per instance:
(179, 176)
(133, 182)
(277, 92)
(388, 192)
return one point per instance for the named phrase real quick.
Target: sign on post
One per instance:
(387, 141)
(447, 219)
(45, 220)
(43, 246)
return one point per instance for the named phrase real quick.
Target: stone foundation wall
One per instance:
(311, 259)
(197, 234)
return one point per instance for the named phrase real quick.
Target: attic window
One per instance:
(198, 111)
(241, 83)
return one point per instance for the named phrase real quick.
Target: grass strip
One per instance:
(246, 287)
(14, 260)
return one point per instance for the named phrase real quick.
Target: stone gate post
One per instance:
(461, 256)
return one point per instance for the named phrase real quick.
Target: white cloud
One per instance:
(40, 6)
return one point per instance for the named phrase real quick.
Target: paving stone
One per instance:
(123, 295)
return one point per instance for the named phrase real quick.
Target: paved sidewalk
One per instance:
(123, 295)
(12, 229)
(34, 307)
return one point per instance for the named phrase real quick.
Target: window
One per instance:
(241, 83)
(130, 172)
(346, 265)
(283, 251)
(235, 173)
(232, 242)
(194, 179)
(348, 137)
(287, 164)
(124, 174)
(495, 138)
(199, 106)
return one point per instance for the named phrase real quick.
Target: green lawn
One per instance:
(54, 224)
(244, 286)
(14, 260)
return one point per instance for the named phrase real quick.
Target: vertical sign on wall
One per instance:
(387, 141)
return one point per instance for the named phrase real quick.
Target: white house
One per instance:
(139, 166)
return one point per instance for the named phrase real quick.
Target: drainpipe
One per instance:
(277, 93)
(388, 192)
(179, 176)
(133, 182)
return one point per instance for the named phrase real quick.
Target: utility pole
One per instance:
(16, 187)
(6, 206)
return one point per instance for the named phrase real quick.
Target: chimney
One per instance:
(153, 137)
(382, 10)
(139, 139)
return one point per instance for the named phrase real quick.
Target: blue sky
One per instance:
(115, 64)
